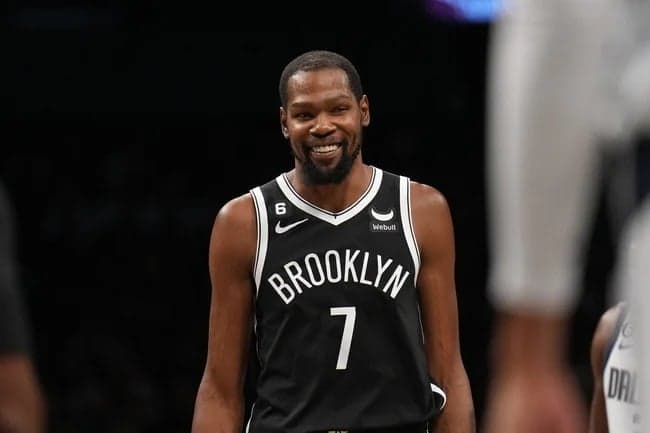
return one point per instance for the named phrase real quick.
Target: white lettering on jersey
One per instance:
(310, 269)
(337, 266)
(381, 269)
(364, 268)
(398, 281)
(294, 271)
(314, 270)
(349, 265)
(286, 293)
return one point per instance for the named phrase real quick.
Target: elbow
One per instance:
(218, 397)
(214, 407)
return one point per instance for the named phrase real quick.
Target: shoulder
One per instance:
(237, 211)
(607, 325)
(235, 227)
(429, 207)
(427, 198)
(432, 220)
(239, 215)
(605, 330)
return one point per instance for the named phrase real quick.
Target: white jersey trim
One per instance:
(407, 223)
(250, 418)
(437, 390)
(334, 218)
(262, 236)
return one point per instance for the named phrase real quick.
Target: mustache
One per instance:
(325, 142)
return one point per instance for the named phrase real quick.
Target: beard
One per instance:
(316, 175)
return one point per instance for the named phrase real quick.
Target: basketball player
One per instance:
(627, 408)
(21, 400)
(554, 101)
(345, 275)
(615, 400)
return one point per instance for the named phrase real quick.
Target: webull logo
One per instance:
(382, 227)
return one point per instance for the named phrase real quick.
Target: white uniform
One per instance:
(620, 380)
(634, 284)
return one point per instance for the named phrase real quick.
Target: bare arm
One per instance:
(603, 334)
(219, 405)
(436, 284)
(528, 352)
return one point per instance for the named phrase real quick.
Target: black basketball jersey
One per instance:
(337, 321)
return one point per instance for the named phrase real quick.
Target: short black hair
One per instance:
(320, 59)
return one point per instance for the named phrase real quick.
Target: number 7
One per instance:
(350, 314)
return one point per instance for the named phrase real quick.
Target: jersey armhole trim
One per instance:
(250, 418)
(262, 236)
(439, 394)
(407, 223)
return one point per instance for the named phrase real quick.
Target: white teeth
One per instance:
(324, 149)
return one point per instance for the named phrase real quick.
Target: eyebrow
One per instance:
(339, 98)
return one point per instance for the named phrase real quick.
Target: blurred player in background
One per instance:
(569, 82)
(615, 400)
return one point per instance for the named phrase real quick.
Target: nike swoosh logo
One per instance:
(279, 229)
(382, 216)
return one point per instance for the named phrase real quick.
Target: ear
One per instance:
(364, 106)
(283, 123)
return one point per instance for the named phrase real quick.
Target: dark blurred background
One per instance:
(129, 125)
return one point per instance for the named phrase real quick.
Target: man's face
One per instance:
(323, 122)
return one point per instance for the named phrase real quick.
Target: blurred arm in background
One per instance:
(21, 400)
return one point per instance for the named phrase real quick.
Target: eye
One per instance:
(340, 108)
(302, 115)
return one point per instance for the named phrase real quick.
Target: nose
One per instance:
(322, 126)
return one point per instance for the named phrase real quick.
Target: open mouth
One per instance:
(325, 148)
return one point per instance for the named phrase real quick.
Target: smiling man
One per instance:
(344, 275)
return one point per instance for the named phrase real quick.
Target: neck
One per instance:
(334, 197)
